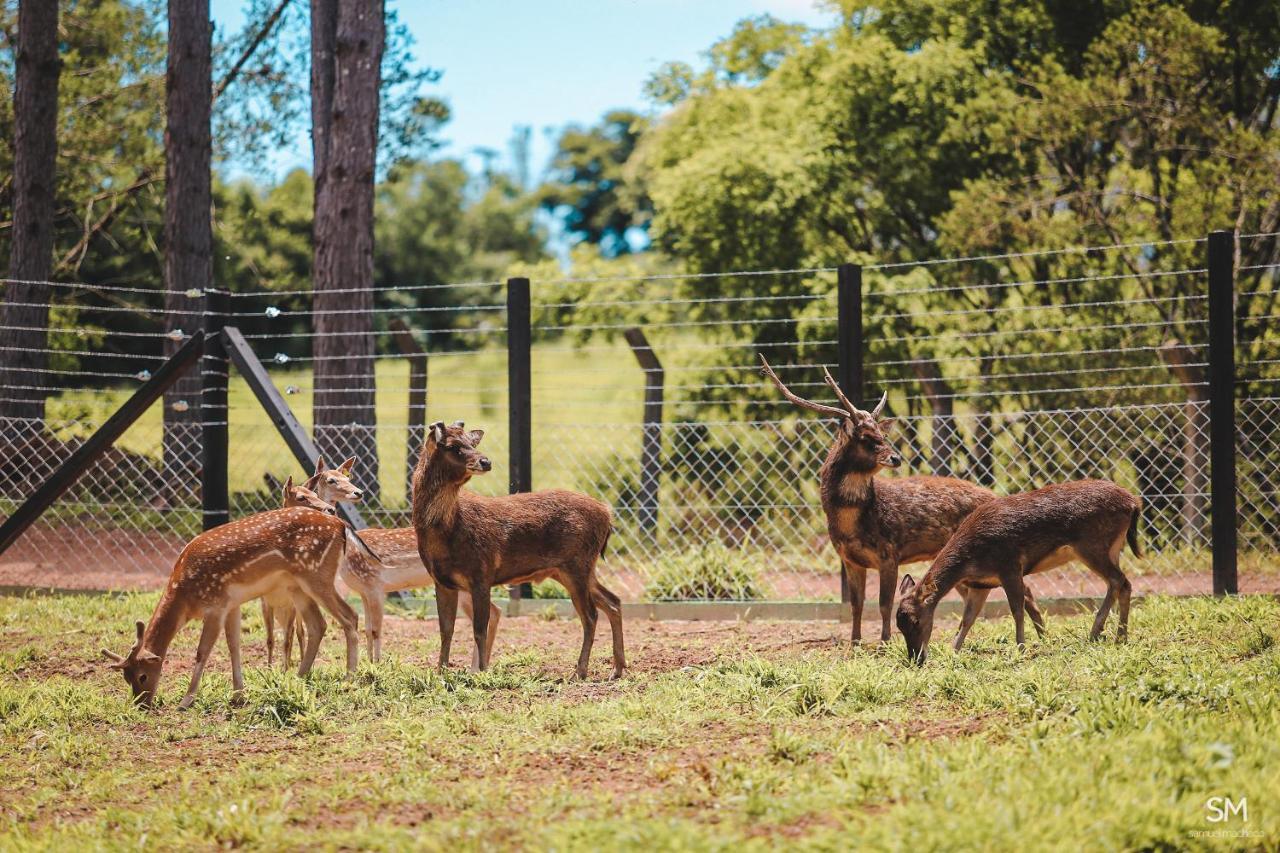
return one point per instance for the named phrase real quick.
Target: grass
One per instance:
(723, 736)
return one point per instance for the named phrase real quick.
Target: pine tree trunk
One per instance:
(188, 249)
(35, 149)
(344, 415)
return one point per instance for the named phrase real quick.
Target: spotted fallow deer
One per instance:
(879, 522)
(1008, 538)
(280, 602)
(471, 542)
(296, 549)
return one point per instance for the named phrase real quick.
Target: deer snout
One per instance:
(892, 459)
(480, 463)
(356, 494)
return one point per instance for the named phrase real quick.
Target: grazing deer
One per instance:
(879, 523)
(325, 488)
(1008, 538)
(295, 549)
(471, 542)
(400, 567)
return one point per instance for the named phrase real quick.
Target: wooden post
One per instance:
(1222, 410)
(417, 421)
(651, 448)
(849, 349)
(303, 448)
(519, 398)
(66, 474)
(215, 499)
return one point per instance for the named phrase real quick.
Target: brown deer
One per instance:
(295, 549)
(879, 523)
(471, 542)
(400, 567)
(1008, 538)
(321, 491)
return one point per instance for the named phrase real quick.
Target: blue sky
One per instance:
(549, 62)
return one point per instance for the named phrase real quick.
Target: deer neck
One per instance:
(165, 623)
(842, 485)
(941, 578)
(435, 497)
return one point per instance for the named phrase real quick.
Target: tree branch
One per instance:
(265, 30)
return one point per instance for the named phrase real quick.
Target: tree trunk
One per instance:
(942, 444)
(344, 415)
(324, 36)
(188, 233)
(35, 148)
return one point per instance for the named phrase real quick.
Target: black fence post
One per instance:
(849, 349)
(519, 398)
(215, 500)
(651, 449)
(417, 420)
(1222, 410)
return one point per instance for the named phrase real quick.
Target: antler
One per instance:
(799, 401)
(835, 386)
(884, 398)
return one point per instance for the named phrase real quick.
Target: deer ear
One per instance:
(437, 431)
(148, 656)
(117, 662)
(288, 489)
(141, 626)
(474, 436)
(908, 584)
(886, 425)
(347, 465)
(319, 466)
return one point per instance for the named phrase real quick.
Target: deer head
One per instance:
(861, 435)
(333, 485)
(453, 449)
(915, 621)
(141, 669)
(302, 496)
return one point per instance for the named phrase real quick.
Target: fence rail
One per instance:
(1152, 364)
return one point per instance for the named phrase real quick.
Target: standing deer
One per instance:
(1012, 537)
(471, 542)
(327, 486)
(280, 602)
(399, 567)
(295, 550)
(879, 523)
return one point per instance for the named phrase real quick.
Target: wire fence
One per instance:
(1012, 371)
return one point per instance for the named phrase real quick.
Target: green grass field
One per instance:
(723, 736)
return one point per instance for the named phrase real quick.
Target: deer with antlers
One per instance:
(471, 543)
(295, 551)
(880, 523)
(1006, 539)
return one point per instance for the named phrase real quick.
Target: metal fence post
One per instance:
(519, 398)
(215, 501)
(1222, 410)
(849, 349)
(651, 449)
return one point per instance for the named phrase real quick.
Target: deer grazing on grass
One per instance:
(1008, 538)
(879, 523)
(471, 542)
(296, 550)
(400, 566)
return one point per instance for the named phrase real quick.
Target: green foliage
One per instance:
(711, 571)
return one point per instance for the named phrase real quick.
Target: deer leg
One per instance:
(315, 631)
(464, 599)
(447, 611)
(612, 606)
(327, 597)
(291, 623)
(1013, 587)
(373, 612)
(974, 599)
(495, 616)
(480, 626)
(1033, 610)
(888, 586)
(1119, 590)
(232, 628)
(269, 622)
(208, 636)
(857, 576)
(587, 613)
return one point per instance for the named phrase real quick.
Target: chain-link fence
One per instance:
(1012, 371)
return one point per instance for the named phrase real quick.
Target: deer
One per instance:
(321, 491)
(880, 523)
(471, 543)
(400, 566)
(297, 550)
(1009, 538)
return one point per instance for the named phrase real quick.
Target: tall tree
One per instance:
(25, 314)
(345, 140)
(188, 234)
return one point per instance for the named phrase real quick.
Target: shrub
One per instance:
(709, 571)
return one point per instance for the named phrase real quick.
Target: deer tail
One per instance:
(353, 539)
(605, 544)
(1132, 535)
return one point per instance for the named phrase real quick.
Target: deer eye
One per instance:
(331, 481)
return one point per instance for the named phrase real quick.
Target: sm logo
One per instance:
(1221, 809)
